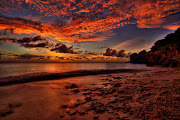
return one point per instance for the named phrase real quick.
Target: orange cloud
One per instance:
(82, 20)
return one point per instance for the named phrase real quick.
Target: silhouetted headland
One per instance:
(165, 52)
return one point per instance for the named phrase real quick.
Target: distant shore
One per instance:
(139, 95)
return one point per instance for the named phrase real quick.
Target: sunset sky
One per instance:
(83, 30)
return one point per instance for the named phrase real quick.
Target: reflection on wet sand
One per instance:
(42, 100)
(139, 95)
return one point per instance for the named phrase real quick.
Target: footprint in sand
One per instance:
(10, 109)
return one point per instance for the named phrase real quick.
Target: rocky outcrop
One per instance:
(165, 52)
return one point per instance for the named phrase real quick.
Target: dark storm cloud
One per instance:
(39, 42)
(62, 48)
(128, 55)
(113, 52)
(121, 53)
(28, 42)
(110, 52)
(38, 45)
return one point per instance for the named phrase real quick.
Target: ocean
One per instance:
(17, 69)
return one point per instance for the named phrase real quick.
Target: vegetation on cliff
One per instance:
(165, 52)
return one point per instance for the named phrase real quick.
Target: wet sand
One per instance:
(140, 95)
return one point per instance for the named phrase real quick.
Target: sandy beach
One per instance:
(152, 94)
(90, 60)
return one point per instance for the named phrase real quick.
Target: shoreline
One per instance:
(139, 95)
(124, 97)
(51, 76)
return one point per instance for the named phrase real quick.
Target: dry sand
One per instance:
(143, 95)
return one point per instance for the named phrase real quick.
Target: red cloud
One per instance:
(81, 20)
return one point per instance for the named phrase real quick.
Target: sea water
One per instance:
(16, 69)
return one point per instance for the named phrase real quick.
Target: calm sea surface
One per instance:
(16, 69)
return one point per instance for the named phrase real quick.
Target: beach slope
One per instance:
(139, 95)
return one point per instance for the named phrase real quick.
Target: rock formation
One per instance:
(165, 52)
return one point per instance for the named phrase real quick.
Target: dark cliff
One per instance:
(165, 52)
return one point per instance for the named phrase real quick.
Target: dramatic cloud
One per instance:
(121, 53)
(62, 48)
(113, 52)
(84, 20)
(39, 42)
(35, 42)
